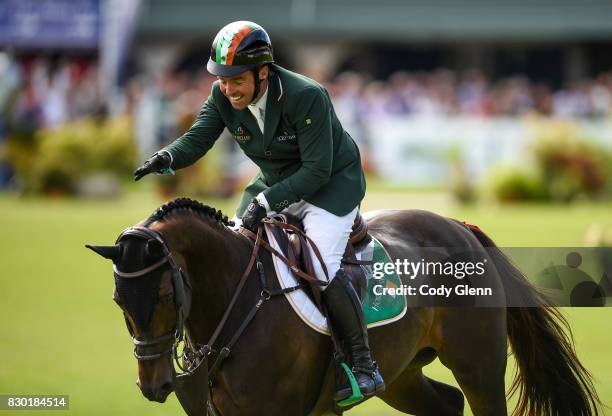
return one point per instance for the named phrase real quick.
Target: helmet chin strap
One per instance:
(255, 72)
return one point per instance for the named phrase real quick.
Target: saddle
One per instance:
(297, 250)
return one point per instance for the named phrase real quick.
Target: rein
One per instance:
(265, 294)
(293, 267)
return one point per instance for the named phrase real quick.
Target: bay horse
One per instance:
(279, 366)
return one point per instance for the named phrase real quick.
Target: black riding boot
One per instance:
(344, 310)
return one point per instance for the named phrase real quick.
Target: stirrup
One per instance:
(356, 395)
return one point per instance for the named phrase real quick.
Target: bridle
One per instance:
(182, 302)
(182, 297)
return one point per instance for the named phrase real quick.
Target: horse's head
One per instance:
(154, 296)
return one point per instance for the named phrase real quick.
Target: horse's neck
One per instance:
(215, 259)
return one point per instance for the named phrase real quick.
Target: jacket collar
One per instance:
(276, 94)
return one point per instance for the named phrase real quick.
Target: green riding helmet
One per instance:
(238, 47)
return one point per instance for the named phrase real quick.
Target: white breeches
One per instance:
(328, 231)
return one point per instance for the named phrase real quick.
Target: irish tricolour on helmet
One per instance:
(239, 47)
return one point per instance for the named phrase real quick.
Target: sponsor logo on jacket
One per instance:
(286, 137)
(241, 135)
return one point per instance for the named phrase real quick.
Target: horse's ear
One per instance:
(108, 252)
(155, 248)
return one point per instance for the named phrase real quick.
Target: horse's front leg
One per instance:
(277, 367)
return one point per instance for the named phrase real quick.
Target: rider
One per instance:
(310, 166)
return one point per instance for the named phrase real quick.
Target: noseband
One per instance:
(182, 298)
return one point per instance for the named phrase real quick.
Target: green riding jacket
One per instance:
(304, 152)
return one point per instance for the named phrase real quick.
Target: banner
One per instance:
(119, 19)
(63, 24)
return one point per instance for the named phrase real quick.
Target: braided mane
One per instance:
(190, 205)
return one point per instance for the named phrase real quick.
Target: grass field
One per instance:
(60, 333)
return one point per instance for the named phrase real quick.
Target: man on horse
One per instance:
(310, 166)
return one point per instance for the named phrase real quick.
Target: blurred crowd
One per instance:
(37, 93)
(445, 92)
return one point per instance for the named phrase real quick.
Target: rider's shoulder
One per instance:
(296, 83)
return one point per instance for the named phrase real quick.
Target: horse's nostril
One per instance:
(166, 388)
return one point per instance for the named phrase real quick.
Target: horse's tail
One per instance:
(550, 379)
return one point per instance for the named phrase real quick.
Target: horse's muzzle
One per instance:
(156, 394)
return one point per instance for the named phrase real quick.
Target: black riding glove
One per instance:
(156, 164)
(253, 215)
